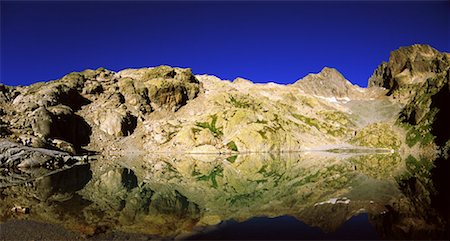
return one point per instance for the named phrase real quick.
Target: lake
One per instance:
(291, 196)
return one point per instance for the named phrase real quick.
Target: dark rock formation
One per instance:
(419, 76)
(60, 122)
(408, 68)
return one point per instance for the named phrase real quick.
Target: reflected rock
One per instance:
(178, 196)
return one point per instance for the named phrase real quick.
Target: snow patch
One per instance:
(333, 99)
(343, 200)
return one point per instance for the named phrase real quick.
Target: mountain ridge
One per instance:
(172, 110)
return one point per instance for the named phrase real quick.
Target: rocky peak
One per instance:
(326, 74)
(331, 74)
(328, 82)
(408, 67)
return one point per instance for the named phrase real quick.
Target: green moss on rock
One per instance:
(324, 127)
(211, 126)
(378, 135)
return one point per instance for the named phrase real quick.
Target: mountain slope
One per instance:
(165, 109)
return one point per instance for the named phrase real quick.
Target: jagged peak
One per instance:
(330, 72)
(409, 65)
(331, 75)
(329, 82)
(402, 57)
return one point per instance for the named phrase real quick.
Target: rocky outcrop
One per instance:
(379, 135)
(71, 108)
(427, 112)
(407, 69)
(7, 94)
(160, 88)
(60, 92)
(418, 76)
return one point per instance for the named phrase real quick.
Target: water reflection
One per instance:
(288, 228)
(201, 195)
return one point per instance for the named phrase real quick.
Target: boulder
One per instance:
(117, 122)
(185, 137)
(53, 122)
(42, 122)
(60, 110)
(33, 141)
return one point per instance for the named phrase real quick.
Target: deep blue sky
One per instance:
(260, 41)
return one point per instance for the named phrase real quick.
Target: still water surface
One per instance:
(255, 196)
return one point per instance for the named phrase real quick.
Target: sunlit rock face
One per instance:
(332, 84)
(165, 109)
(129, 149)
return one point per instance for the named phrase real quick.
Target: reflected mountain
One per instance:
(327, 195)
(287, 228)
